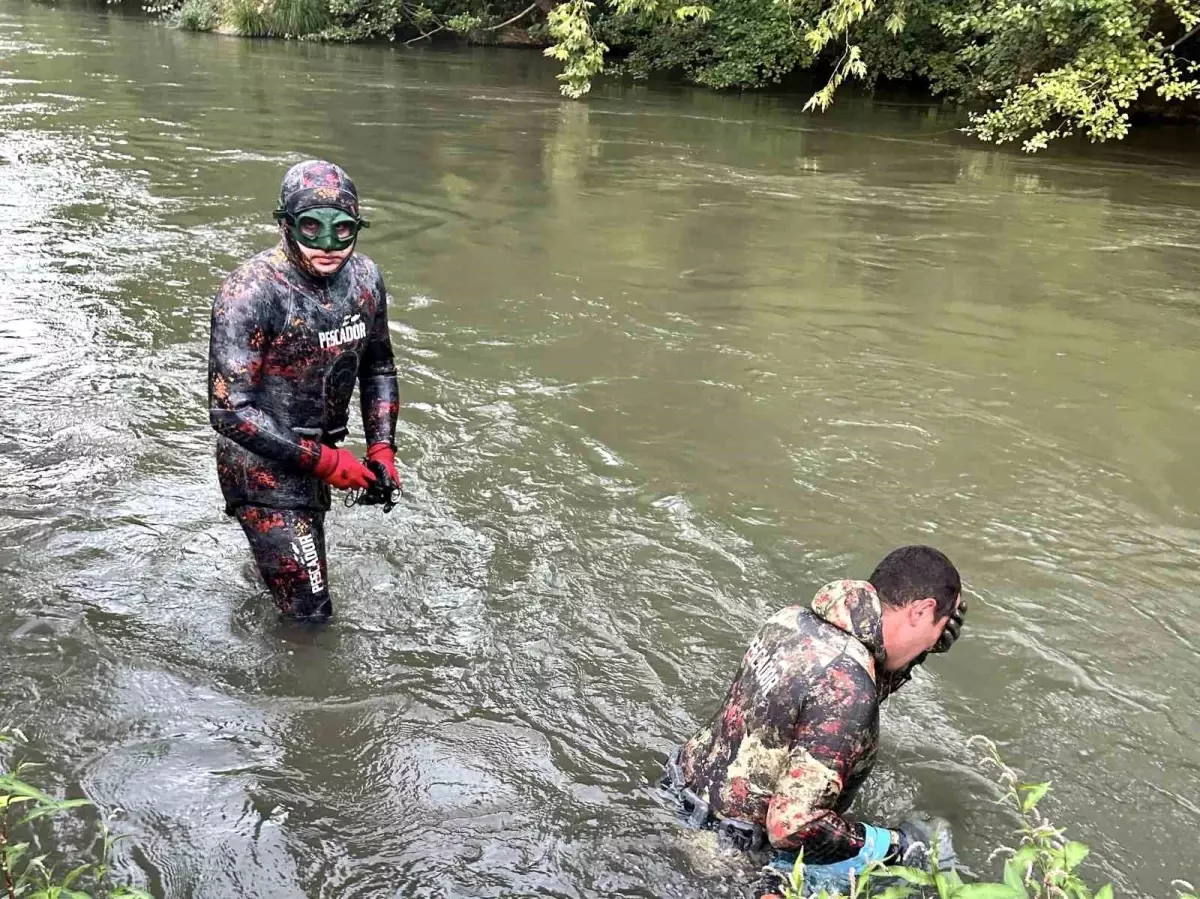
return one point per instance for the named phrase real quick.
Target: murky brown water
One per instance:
(671, 359)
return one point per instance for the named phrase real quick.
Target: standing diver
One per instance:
(293, 329)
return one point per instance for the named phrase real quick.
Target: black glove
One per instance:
(916, 847)
(953, 629)
(772, 884)
(383, 490)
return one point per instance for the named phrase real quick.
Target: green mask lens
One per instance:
(323, 228)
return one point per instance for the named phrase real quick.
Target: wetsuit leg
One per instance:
(289, 547)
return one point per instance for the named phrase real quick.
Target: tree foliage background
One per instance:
(1028, 70)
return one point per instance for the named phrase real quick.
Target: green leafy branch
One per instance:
(582, 53)
(24, 875)
(1044, 864)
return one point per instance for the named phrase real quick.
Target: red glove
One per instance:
(339, 468)
(386, 456)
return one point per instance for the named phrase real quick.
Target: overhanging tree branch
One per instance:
(526, 11)
(421, 37)
(1191, 34)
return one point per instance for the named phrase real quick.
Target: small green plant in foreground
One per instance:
(26, 876)
(1043, 864)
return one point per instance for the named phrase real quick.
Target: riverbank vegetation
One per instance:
(1042, 863)
(24, 844)
(1028, 71)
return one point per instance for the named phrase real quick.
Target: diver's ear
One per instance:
(921, 607)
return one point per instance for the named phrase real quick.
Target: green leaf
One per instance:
(1076, 888)
(987, 891)
(13, 853)
(898, 891)
(953, 881)
(1031, 795)
(75, 875)
(1014, 877)
(1073, 854)
(42, 811)
(20, 788)
(1105, 892)
(1025, 856)
(940, 884)
(911, 875)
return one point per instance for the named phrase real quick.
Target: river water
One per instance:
(670, 360)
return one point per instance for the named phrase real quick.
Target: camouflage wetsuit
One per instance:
(798, 732)
(287, 348)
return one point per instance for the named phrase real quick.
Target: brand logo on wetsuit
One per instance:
(762, 665)
(305, 550)
(353, 328)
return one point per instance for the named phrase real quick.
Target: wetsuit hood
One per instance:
(308, 185)
(854, 607)
(317, 183)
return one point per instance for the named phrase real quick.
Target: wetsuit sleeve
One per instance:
(242, 322)
(378, 390)
(834, 730)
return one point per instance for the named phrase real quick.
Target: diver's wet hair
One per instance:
(911, 573)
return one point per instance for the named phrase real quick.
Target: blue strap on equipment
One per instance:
(835, 877)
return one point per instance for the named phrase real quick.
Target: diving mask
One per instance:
(322, 227)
